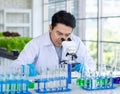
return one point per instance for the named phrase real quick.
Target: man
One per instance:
(46, 50)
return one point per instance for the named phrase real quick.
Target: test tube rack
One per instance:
(14, 87)
(96, 83)
(57, 84)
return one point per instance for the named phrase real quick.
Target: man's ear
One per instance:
(50, 26)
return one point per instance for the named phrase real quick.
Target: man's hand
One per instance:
(79, 68)
(32, 71)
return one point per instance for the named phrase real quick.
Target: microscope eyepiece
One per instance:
(62, 39)
(69, 39)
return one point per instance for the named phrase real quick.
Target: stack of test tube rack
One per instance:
(13, 80)
(96, 83)
(56, 82)
(14, 87)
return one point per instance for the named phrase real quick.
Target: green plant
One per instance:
(13, 43)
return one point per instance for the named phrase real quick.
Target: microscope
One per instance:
(68, 51)
(68, 55)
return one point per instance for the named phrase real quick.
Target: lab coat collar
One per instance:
(47, 41)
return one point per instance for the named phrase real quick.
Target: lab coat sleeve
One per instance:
(85, 58)
(28, 54)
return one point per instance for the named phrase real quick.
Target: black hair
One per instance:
(63, 17)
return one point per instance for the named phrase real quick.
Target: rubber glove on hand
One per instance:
(79, 68)
(30, 68)
(32, 71)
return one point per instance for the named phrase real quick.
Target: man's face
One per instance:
(58, 32)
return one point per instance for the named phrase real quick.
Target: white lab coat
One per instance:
(41, 52)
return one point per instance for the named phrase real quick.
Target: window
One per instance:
(97, 25)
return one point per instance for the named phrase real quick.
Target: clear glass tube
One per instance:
(25, 75)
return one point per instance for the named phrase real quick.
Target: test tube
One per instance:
(60, 77)
(48, 82)
(53, 79)
(102, 82)
(25, 75)
(7, 78)
(88, 80)
(41, 77)
(95, 80)
(57, 74)
(64, 68)
(82, 82)
(109, 81)
(13, 81)
(19, 79)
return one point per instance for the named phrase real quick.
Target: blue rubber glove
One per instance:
(79, 68)
(32, 71)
